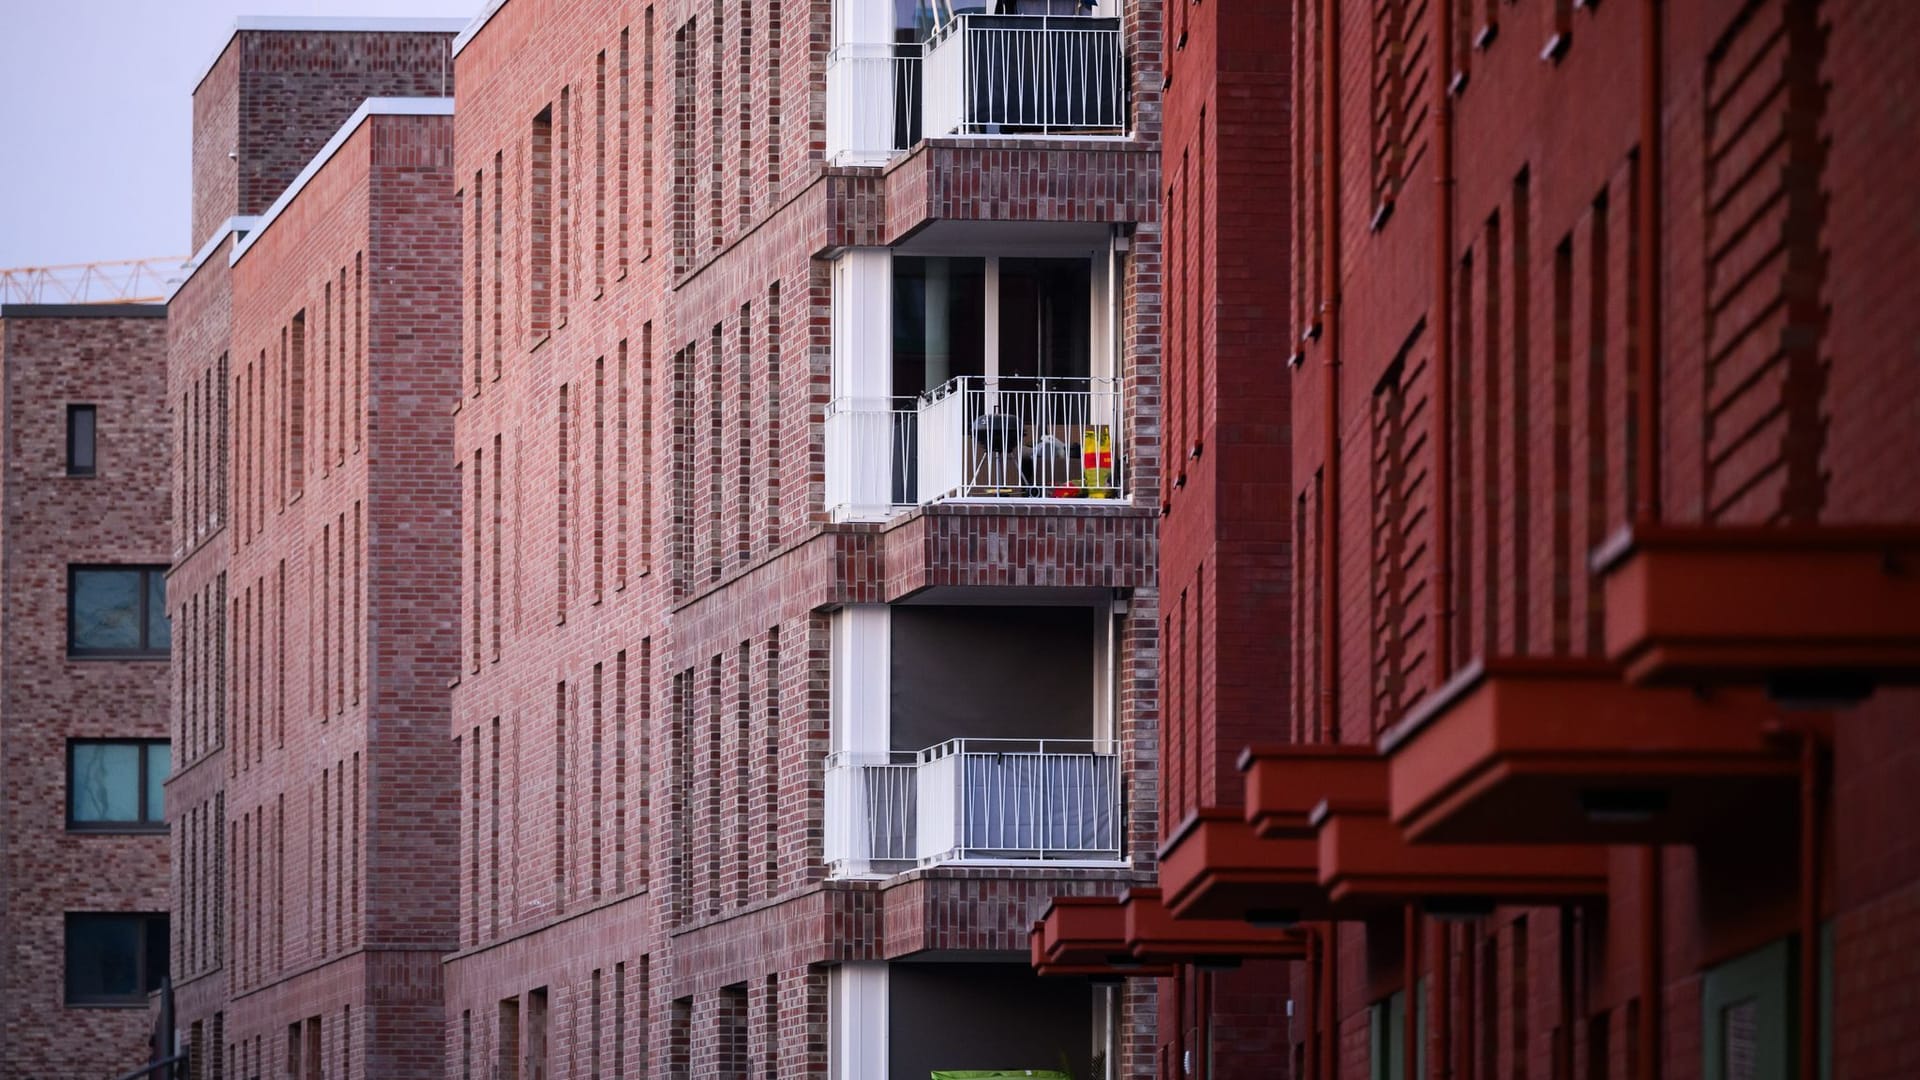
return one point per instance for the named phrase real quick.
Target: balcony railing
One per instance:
(974, 800)
(874, 101)
(976, 438)
(1026, 75)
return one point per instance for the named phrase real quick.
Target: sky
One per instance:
(96, 102)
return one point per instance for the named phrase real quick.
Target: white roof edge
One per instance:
(379, 106)
(474, 27)
(334, 24)
(239, 223)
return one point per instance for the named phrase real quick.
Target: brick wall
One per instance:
(51, 358)
(1778, 365)
(340, 787)
(274, 97)
(1225, 561)
(646, 557)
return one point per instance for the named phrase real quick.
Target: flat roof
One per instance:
(479, 23)
(378, 106)
(83, 311)
(325, 24)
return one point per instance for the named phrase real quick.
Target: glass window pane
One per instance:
(939, 321)
(106, 782)
(156, 935)
(159, 630)
(80, 439)
(103, 957)
(1045, 318)
(159, 763)
(106, 609)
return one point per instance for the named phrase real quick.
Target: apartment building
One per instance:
(309, 378)
(1225, 551)
(83, 675)
(804, 467)
(1600, 521)
(808, 444)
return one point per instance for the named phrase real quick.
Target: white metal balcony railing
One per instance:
(1001, 75)
(974, 799)
(974, 437)
(1026, 74)
(874, 106)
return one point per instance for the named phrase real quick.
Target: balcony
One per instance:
(974, 800)
(1044, 75)
(976, 438)
(972, 733)
(1001, 76)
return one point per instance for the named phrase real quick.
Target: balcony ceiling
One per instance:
(1006, 238)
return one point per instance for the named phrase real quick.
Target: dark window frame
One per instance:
(93, 440)
(143, 824)
(145, 651)
(147, 922)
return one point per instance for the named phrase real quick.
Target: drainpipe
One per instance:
(1810, 864)
(1443, 343)
(1648, 508)
(1651, 948)
(1330, 328)
(1441, 1011)
(1311, 1055)
(1652, 28)
(1563, 1044)
(1330, 1004)
(1410, 978)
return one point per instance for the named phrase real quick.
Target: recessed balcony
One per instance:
(962, 376)
(971, 734)
(1029, 69)
(976, 800)
(974, 438)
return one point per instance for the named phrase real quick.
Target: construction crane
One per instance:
(129, 281)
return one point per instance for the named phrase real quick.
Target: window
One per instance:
(80, 420)
(117, 786)
(117, 611)
(114, 959)
(1387, 1035)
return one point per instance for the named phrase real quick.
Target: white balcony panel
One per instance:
(873, 102)
(974, 800)
(1017, 75)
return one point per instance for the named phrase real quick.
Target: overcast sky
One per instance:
(96, 106)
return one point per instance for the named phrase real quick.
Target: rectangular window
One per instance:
(114, 959)
(80, 428)
(116, 786)
(117, 611)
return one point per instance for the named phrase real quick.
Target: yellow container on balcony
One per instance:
(1096, 461)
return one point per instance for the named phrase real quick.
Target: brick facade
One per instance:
(1225, 566)
(616, 844)
(651, 570)
(279, 921)
(1783, 391)
(113, 358)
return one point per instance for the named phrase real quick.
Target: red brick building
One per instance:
(309, 375)
(804, 437)
(1600, 520)
(1225, 547)
(809, 448)
(84, 640)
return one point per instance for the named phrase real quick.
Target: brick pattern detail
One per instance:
(667, 522)
(1778, 351)
(51, 521)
